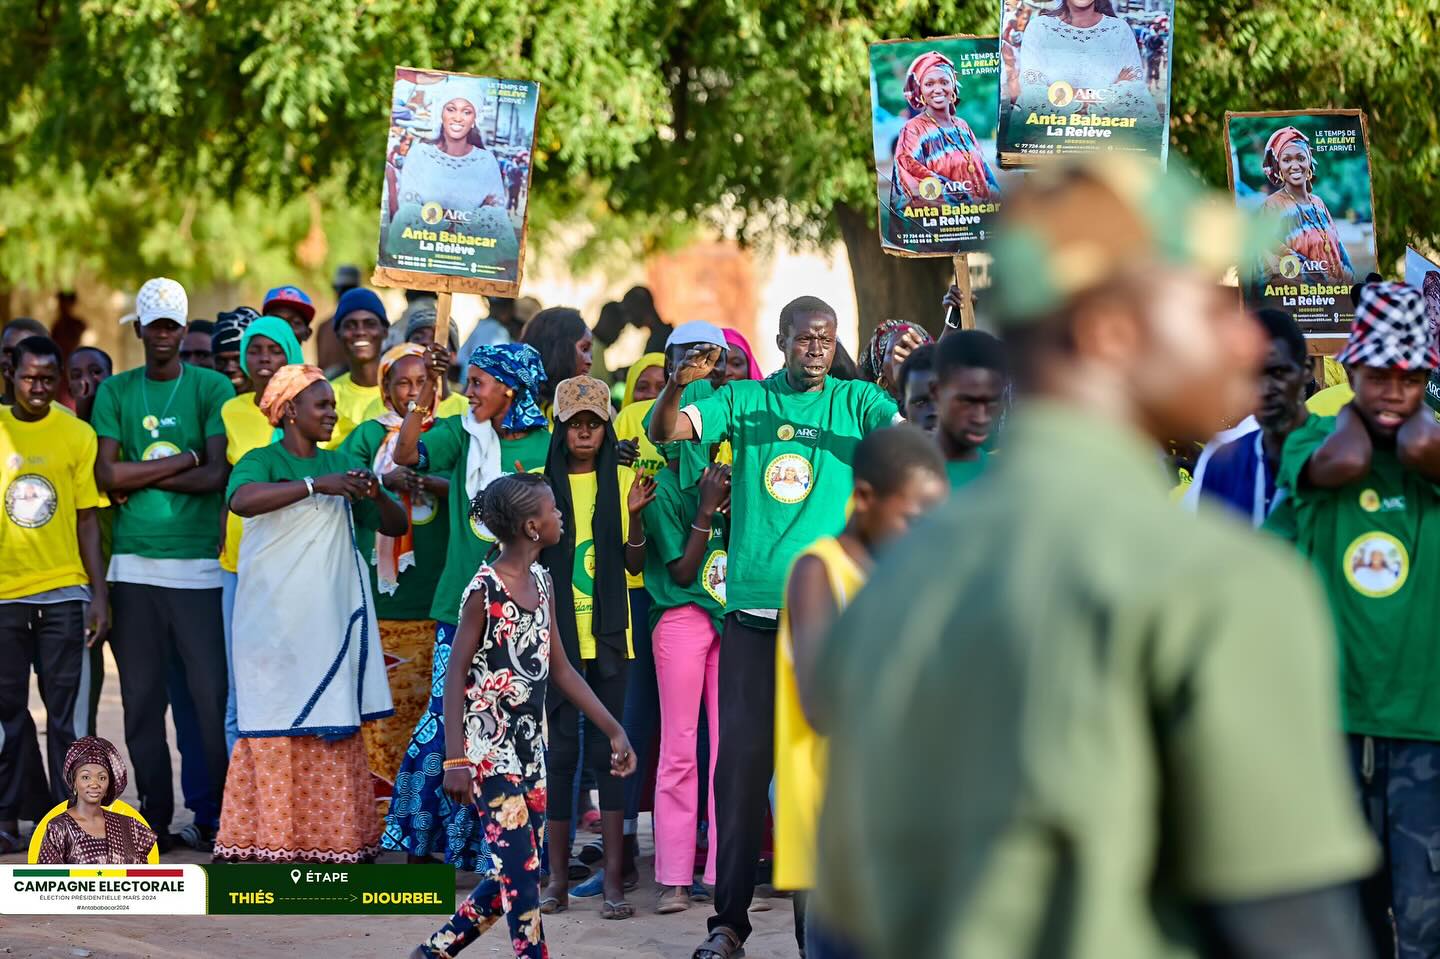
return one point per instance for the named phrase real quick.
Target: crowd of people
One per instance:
(434, 601)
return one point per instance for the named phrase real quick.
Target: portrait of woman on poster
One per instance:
(1308, 229)
(1084, 44)
(87, 833)
(455, 169)
(937, 145)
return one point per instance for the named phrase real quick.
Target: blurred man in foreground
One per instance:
(1128, 713)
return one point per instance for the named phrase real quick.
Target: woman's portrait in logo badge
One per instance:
(787, 478)
(93, 826)
(30, 501)
(1376, 565)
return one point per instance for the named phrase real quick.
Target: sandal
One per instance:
(672, 900)
(616, 910)
(549, 906)
(722, 944)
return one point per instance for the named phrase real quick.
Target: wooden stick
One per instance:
(442, 330)
(962, 280)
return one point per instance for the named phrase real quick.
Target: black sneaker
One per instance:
(167, 841)
(197, 837)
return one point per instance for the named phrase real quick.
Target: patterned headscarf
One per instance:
(518, 366)
(1276, 145)
(392, 356)
(287, 383)
(916, 73)
(872, 361)
(1390, 330)
(101, 752)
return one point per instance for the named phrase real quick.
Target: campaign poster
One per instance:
(1084, 76)
(1307, 175)
(457, 181)
(933, 126)
(1424, 274)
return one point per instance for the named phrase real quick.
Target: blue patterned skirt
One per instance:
(422, 820)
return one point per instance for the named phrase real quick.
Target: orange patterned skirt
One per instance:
(409, 646)
(298, 799)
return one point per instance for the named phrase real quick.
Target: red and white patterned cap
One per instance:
(162, 299)
(1390, 330)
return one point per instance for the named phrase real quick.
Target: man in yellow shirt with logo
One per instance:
(50, 569)
(360, 324)
(899, 474)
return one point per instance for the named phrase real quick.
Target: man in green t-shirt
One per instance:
(162, 449)
(1053, 732)
(970, 379)
(794, 436)
(1360, 492)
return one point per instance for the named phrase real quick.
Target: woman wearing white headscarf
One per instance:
(456, 169)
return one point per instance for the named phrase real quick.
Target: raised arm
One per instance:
(642, 494)
(714, 492)
(208, 477)
(113, 475)
(407, 448)
(1344, 457)
(666, 423)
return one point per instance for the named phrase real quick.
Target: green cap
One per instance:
(1070, 227)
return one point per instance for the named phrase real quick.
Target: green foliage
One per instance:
(191, 134)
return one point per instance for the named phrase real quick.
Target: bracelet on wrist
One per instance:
(197, 457)
(642, 542)
(455, 764)
(699, 529)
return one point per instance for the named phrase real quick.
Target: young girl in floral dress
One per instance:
(495, 683)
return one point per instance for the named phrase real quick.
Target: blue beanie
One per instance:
(359, 299)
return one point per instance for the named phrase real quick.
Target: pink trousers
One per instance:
(687, 665)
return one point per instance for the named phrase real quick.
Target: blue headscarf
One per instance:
(518, 366)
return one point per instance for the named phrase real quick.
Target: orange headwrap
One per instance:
(287, 383)
(1278, 141)
(916, 73)
(392, 356)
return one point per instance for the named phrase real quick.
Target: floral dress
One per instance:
(505, 739)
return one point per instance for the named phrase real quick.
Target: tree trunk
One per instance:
(891, 287)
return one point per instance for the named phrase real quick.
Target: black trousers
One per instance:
(564, 752)
(152, 624)
(50, 637)
(743, 768)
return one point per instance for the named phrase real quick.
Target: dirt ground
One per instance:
(580, 932)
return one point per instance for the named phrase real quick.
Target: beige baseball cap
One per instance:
(581, 393)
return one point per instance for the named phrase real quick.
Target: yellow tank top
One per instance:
(799, 749)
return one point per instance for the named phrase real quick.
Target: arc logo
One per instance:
(1292, 266)
(1062, 94)
(432, 213)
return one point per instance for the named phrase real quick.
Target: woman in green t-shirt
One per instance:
(299, 788)
(503, 432)
(404, 570)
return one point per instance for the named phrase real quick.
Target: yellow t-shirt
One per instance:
(47, 472)
(452, 405)
(630, 425)
(351, 402)
(799, 749)
(583, 489)
(246, 429)
(1331, 400)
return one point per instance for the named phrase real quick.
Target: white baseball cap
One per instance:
(162, 299)
(696, 331)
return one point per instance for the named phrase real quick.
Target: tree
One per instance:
(751, 117)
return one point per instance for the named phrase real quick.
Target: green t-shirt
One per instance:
(1367, 543)
(1134, 725)
(151, 420)
(964, 472)
(667, 527)
(446, 444)
(791, 477)
(275, 464)
(430, 530)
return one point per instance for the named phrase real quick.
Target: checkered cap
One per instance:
(1390, 330)
(162, 299)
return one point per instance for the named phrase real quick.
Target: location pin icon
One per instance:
(294, 875)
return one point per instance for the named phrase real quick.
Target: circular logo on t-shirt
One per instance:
(1376, 564)
(786, 432)
(422, 508)
(160, 450)
(788, 477)
(712, 577)
(480, 530)
(150, 422)
(30, 500)
(585, 567)
(1369, 501)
